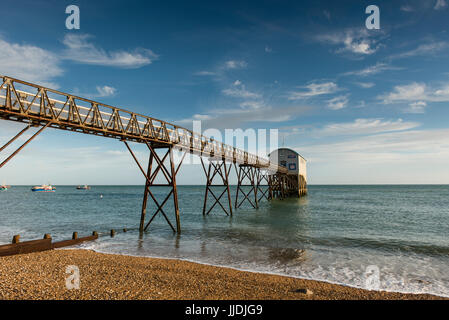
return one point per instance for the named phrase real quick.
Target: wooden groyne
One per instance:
(17, 247)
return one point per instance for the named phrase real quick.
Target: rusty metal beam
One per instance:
(23, 145)
(14, 138)
(150, 178)
(69, 112)
(218, 169)
(262, 175)
(246, 174)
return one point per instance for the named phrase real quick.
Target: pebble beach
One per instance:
(43, 275)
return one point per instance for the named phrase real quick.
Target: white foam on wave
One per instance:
(397, 275)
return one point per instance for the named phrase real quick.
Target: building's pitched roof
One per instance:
(289, 150)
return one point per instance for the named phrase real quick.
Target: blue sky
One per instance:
(362, 106)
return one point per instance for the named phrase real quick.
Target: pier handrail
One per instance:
(47, 107)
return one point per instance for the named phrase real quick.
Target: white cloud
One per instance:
(366, 85)
(79, 49)
(105, 91)
(423, 50)
(251, 105)
(407, 8)
(238, 90)
(371, 70)
(314, 89)
(366, 126)
(416, 92)
(406, 141)
(240, 117)
(240, 93)
(28, 62)
(205, 73)
(199, 117)
(34, 64)
(356, 41)
(235, 64)
(440, 4)
(409, 156)
(338, 102)
(413, 91)
(101, 92)
(416, 107)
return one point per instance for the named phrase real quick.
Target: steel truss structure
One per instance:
(48, 108)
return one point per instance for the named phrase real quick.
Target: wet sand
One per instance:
(106, 276)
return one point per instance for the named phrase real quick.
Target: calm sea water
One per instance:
(333, 234)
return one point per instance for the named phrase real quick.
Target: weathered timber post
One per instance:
(16, 238)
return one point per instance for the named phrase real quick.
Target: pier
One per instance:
(48, 108)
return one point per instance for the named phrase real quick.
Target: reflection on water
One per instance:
(287, 255)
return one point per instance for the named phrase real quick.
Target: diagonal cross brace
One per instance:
(23, 145)
(218, 170)
(249, 173)
(150, 176)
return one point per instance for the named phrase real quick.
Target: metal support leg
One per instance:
(261, 177)
(23, 145)
(246, 173)
(15, 137)
(150, 176)
(220, 168)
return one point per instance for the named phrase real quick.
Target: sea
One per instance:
(378, 237)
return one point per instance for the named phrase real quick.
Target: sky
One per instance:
(363, 106)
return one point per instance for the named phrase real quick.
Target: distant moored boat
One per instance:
(3, 188)
(85, 187)
(44, 188)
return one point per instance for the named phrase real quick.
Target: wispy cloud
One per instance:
(338, 102)
(100, 92)
(440, 4)
(423, 50)
(407, 8)
(409, 92)
(235, 64)
(416, 92)
(238, 90)
(105, 91)
(366, 126)
(240, 117)
(79, 49)
(365, 85)
(372, 70)
(30, 63)
(355, 41)
(205, 73)
(406, 142)
(314, 89)
(416, 107)
(219, 71)
(388, 157)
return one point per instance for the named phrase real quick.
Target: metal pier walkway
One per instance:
(41, 107)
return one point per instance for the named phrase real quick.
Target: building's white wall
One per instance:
(289, 159)
(303, 168)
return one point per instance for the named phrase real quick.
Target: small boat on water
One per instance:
(43, 188)
(4, 188)
(85, 187)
